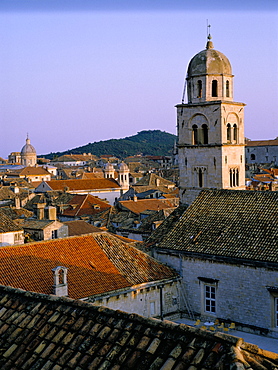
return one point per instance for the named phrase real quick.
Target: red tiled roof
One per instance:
(30, 171)
(96, 263)
(80, 227)
(85, 205)
(262, 142)
(76, 157)
(146, 204)
(83, 184)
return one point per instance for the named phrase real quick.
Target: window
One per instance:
(200, 178)
(228, 132)
(152, 308)
(204, 134)
(235, 132)
(195, 134)
(200, 174)
(227, 89)
(54, 234)
(210, 298)
(214, 89)
(252, 157)
(234, 177)
(199, 87)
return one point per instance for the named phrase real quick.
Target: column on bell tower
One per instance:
(210, 128)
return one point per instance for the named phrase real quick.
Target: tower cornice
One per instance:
(214, 102)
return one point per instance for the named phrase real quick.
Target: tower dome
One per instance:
(28, 154)
(209, 76)
(109, 167)
(123, 167)
(109, 170)
(28, 148)
(209, 61)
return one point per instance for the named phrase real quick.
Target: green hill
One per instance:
(151, 142)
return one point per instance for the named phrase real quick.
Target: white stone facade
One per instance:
(243, 293)
(156, 299)
(12, 238)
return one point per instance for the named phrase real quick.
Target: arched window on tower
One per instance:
(204, 134)
(227, 89)
(194, 134)
(214, 89)
(234, 177)
(199, 87)
(228, 133)
(235, 132)
(200, 178)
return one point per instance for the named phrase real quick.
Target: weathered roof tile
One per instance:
(137, 342)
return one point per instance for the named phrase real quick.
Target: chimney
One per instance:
(39, 208)
(60, 287)
(50, 213)
(135, 198)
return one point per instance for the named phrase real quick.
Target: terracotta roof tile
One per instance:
(261, 142)
(142, 205)
(70, 334)
(83, 184)
(94, 265)
(85, 205)
(80, 227)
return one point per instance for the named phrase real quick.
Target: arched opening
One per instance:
(199, 87)
(234, 177)
(227, 89)
(205, 134)
(235, 132)
(214, 92)
(228, 132)
(194, 134)
(252, 157)
(200, 178)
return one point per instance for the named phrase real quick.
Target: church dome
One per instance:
(123, 167)
(209, 61)
(28, 148)
(109, 167)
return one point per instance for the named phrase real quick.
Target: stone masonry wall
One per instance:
(144, 301)
(241, 293)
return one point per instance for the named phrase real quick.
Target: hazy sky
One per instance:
(74, 72)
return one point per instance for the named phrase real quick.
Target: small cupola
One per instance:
(60, 287)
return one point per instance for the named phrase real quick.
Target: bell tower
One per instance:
(210, 128)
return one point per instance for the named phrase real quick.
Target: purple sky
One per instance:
(73, 72)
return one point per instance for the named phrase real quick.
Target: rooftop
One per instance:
(97, 263)
(47, 332)
(234, 224)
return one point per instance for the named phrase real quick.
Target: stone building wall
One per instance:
(143, 300)
(262, 154)
(241, 291)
